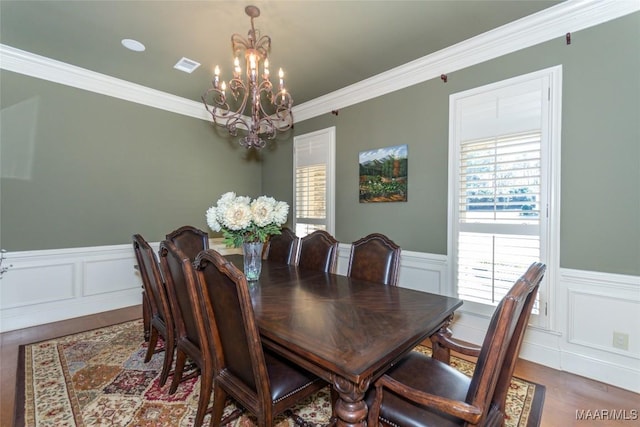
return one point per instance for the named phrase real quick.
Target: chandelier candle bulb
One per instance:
(237, 69)
(216, 77)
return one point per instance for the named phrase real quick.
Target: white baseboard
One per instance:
(626, 376)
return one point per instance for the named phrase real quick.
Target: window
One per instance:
(314, 158)
(501, 177)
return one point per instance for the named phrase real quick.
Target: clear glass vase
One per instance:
(252, 252)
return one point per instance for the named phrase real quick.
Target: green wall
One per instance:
(600, 223)
(102, 169)
(99, 169)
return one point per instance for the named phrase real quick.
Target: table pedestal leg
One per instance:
(350, 409)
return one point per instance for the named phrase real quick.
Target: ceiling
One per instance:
(323, 46)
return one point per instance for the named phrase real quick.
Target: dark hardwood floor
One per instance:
(566, 393)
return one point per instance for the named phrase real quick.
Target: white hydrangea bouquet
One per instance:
(243, 220)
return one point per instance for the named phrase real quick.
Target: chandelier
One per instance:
(270, 111)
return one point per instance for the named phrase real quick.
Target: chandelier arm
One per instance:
(268, 127)
(265, 86)
(284, 115)
(263, 45)
(217, 105)
(239, 44)
(281, 119)
(234, 123)
(277, 117)
(285, 98)
(237, 85)
(222, 115)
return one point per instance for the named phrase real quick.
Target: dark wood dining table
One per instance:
(346, 331)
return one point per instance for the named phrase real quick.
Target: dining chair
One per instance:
(421, 390)
(260, 381)
(160, 316)
(282, 247)
(443, 342)
(178, 271)
(375, 258)
(318, 251)
(190, 240)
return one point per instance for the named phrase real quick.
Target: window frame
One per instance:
(550, 153)
(327, 137)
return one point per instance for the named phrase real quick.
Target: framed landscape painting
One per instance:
(383, 174)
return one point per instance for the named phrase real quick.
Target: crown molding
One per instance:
(30, 64)
(569, 16)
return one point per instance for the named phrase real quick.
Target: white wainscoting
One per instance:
(51, 285)
(597, 305)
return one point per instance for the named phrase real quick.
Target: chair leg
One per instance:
(206, 384)
(151, 345)
(168, 361)
(374, 410)
(439, 351)
(265, 418)
(146, 316)
(181, 359)
(219, 402)
(300, 422)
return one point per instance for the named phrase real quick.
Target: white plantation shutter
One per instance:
(499, 214)
(489, 264)
(311, 193)
(313, 179)
(500, 182)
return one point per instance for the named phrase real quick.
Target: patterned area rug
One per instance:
(99, 378)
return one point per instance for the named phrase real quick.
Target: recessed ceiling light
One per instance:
(187, 65)
(134, 45)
